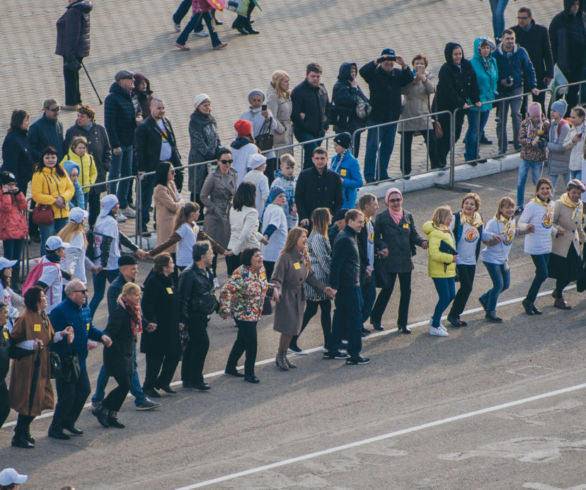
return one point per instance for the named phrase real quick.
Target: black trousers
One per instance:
(116, 397)
(406, 142)
(71, 398)
(326, 318)
(93, 198)
(385, 295)
(4, 402)
(232, 263)
(23, 425)
(246, 341)
(466, 274)
(72, 94)
(196, 351)
(160, 369)
(444, 143)
(269, 268)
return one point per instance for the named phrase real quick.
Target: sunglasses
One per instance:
(226, 162)
(83, 291)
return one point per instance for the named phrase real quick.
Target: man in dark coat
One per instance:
(120, 122)
(535, 39)
(317, 187)
(98, 145)
(72, 393)
(73, 43)
(310, 101)
(47, 131)
(154, 143)
(368, 204)
(567, 32)
(384, 82)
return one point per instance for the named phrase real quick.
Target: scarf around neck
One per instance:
(396, 216)
(135, 317)
(541, 202)
(475, 220)
(576, 206)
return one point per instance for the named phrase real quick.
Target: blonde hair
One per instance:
(70, 230)
(276, 79)
(291, 244)
(441, 215)
(76, 141)
(471, 195)
(128, 289)
(321, 218)
(287, 159)
(504, 202)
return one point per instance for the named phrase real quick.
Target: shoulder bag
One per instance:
(43, 213)
(264, 140)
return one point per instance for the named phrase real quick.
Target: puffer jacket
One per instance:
(47, 185)
(73, 30)
(78, 199)
(345, 97)
(516, 65)
(13, 225)
(439, 264)
(119, 117)
(88, 172)
(560, 147)
(486, 75)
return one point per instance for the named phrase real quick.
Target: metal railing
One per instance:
(581, 91)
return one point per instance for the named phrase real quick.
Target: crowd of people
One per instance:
(291, 244)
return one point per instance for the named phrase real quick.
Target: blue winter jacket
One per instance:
(78, 200)
(348, 168)
(517, 65)
(487, 77)
(80, 318)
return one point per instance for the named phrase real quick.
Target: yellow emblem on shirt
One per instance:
(263, 275)
(37, 327)
(88, 326)
(406, 226)
(296, 265)
(5, 334)
(169, 291)
(343, 172)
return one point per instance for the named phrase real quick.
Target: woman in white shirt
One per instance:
(274, 226)
(257, 164)
(537, 221)
(76, 261)
(243, 225)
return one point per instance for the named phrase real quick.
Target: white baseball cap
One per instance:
(108, 202)
(9, 476)
(256, 160)
(5, 263)
(77, 215)
(55, 243)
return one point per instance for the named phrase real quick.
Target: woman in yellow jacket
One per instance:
(88, 172)
(51, 186)
(441, 265)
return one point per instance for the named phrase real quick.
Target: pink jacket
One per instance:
(13, 225)
(200, 6)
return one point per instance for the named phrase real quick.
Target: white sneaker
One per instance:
(177, 27)
(128, 212)
(437, 332)
(121, 218)
(201, 34)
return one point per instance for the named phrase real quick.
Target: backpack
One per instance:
(35, 274)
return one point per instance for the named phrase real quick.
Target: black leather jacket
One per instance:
(196, 293)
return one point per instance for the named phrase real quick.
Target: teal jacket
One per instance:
(487, 77)
(348, 168)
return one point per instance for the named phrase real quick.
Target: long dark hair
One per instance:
(245, 196)
(16, 120)
(162, 173)
(39, 166)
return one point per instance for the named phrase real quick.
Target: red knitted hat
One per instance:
(243, 127)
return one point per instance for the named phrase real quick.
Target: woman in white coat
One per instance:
(274, 226)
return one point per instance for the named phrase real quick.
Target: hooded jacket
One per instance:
(86, 166)
(73, 30)
(535, 40)
(347, 167)
(567, 33)
(119, 117)
(457, 85)
(47, 185)
(313, 102)
(142, 100)
(486, 75)
(517, 65)
(345, 98)
(78, 199)
(439, 264)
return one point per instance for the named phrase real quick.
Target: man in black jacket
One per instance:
(368, 204)
(154, 142)
(310, 101)
(535, 39)
(197, 302)
(345, 279)
(384, 83)
(317, 187)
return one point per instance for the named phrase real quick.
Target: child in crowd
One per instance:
(348, 168)
(498, 237)
(257, 164)
(561, 134)
(533, 139)
(76, 260)
(284, 179)
(577, 115)
(78, 199)
(87, 172)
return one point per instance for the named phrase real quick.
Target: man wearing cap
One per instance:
(73, 43)
(11, 479)
(257, 164)
(385, 83)
(120, 122)
(317, 187)
(348, 168)
(47, 131)
(72, 393)
(51, 279)
(154, 143)
(310, 100)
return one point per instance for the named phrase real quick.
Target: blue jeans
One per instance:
(50, 230)
(347, 321)
(502, 112)
(147, 186)
(576, 174)
(536, 169)
(378, 141)
(500, 276)
(498, 8)
(194, 23)
(100, 287)
(540, 262)
(121, 167)
(554, 179)
(446, 290)
(182, 10)
(308, 148)
(368, 296)
(476, 122)
(135, 387)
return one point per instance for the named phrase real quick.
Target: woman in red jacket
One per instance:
(13, 225)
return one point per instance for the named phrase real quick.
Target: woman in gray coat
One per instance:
(216, 194)
(292, 271)
(280, 105)
(205, 141)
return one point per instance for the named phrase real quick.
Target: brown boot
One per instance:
(561, 304)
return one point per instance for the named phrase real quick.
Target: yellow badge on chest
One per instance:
(37, 327)
(88, 326)
(296, 266)
(263, 275)
(6, 335)
(406, 226)
(169, 291)
(343, 172)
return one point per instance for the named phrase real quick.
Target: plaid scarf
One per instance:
(135, 317)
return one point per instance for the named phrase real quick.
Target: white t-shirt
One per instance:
(108, 226)
(75, 258)
(188, 234)
(52, 277)
(467, 243)
(274, 215)
(541, 217)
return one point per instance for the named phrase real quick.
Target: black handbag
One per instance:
(264, 140)
(71, 367)
(56, 368)
(381, 277)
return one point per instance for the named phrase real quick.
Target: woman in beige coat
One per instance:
(167, 203)
(292, 271)
(280, 105)
(416, 103)
(568, 237)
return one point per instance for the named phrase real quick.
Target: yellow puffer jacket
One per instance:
(439, 264)
(47, 186)
(88, 172)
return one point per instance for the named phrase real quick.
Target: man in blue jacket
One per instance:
(515, 71)
(345, 279)
(72, 393)
(348, 168)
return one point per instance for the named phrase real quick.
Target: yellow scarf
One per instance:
(475, 220)
(501, 219)
(576, 206)
(508, 225)
(543, 203)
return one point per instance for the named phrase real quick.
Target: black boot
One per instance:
(238, 24)
(113, 420)
(248, 27)
(102, 415)
(19, 439)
